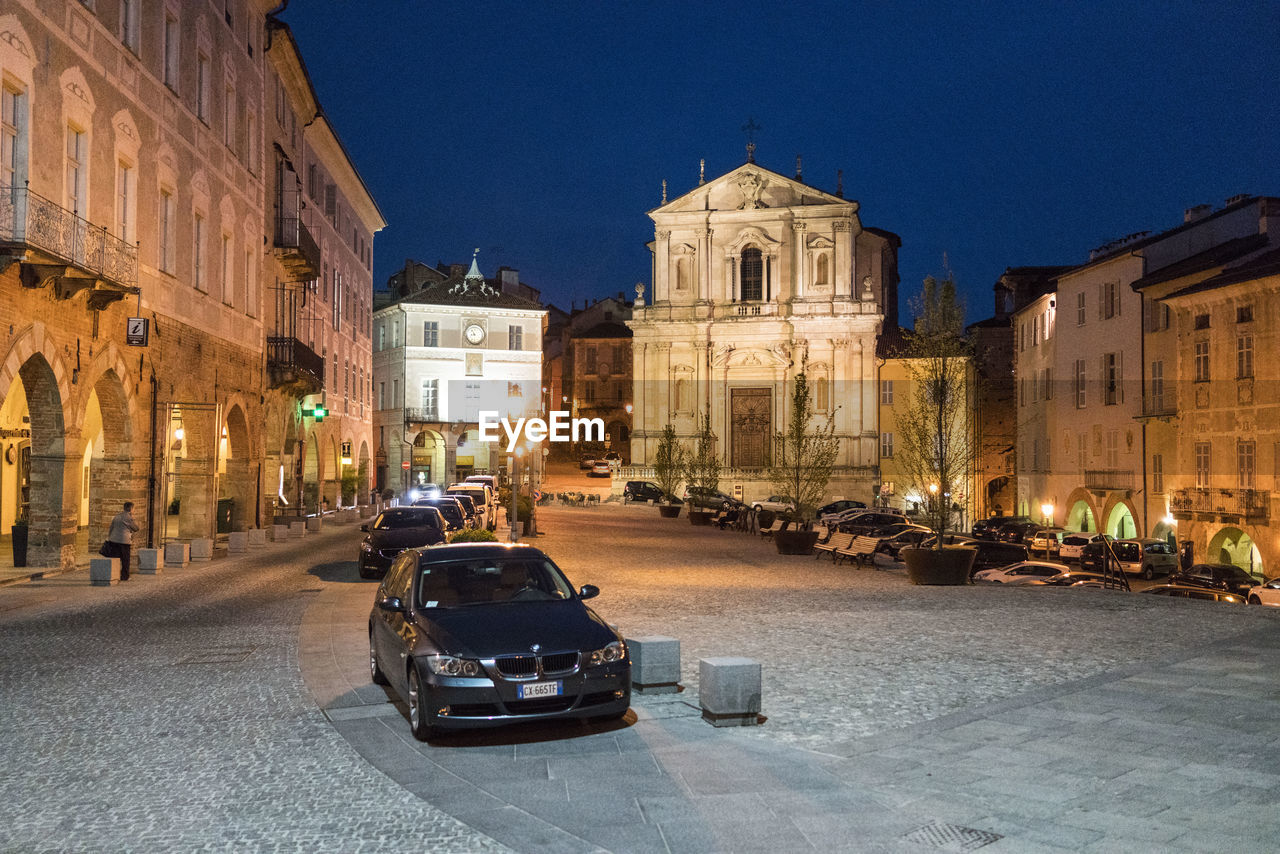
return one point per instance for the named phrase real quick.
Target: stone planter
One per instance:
(669, 511)
(700, 517)
(930, 566)
(795, 542)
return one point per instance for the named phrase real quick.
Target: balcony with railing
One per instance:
(292, 363)
(297, 249)
(1249, 505)
(57, 246)
(421, 415)
(1108, 479)
(747, 309)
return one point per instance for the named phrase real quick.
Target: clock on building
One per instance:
(474, 333)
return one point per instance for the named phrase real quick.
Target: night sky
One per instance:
(996, 134)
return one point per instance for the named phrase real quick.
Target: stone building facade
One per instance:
(132, 269)
(756, 277)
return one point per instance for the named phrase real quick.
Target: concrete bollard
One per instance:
(297, 529)
(313, 523)
(104, 571)
(237, 542)
(257, 537)
(279, 532)
(201, 549)
(729, 691)
(366, 511)
(177, 554)
(148, 561)
(655, 664)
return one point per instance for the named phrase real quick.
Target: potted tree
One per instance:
(937, 449)
(20, 531)
(668, 469)
(801, 467)
(702, 470)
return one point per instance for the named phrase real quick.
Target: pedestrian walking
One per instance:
(121, 533)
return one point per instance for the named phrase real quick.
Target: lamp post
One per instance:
(515, 487)
(1047, 510)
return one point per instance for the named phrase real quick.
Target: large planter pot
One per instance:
(700, 517)
(20, 544)
(795, 542)
(931, 566)
(669, 511)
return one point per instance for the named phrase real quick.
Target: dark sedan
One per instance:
(840, 506)
(1216, 576)
(479, 635)
(450, 508)
(641, 490)
(1018, 532)
(394, 530)
(701, 498)
(985, 529)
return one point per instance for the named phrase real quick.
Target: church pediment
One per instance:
(752, 357)
(821, 242)
(751, 187)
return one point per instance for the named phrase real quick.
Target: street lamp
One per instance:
(515, 492)
(1047, 510)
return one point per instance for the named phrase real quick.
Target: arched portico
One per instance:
(1081, 514)
(237, 478)
(1236, 546)
(1121, 519)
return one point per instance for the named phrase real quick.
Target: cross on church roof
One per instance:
(750, 129)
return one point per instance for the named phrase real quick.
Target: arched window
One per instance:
(682, 274)
(820, 276)
(752, 275)
(823, 395)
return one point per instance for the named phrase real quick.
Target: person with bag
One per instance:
(120, 536)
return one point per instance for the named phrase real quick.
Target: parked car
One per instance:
(1267, 593)
(1077, 578)
(488, 480)
(642, 490)
(1218, 576)
(394, 530)
(1145, 557)
(985, 529)
(473, 516)
(1183, 591)
(898, 537)
(600, 468)
(1017, 532)
(586, 462)
(450, 508)
(840, 506)
(613, 457)
(950, 540)
(701, 498)
(776, 503)
(1047, 541)
(992, 555)
(866, 521)
(1073, 544)
(480, 635)
(483, 497)
(1019, 573)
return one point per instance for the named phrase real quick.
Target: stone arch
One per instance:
(1234, 545)
(42, 462)
(1166, 531)
(311, 473)
(1121, 519)
(113, 470)
(237, 481)
(332, 469)
(428, 463)
(17, 56)
(1081, 515)
(364, 473)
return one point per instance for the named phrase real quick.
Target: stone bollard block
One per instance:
(279, 532)
(366, 511)
(298, 529)
(655, 664)
(237, 542)
(201, 549)
(257, 537)
(177, 554)
(149, 561)
(104, 571)
(729, 691)
(313, 523)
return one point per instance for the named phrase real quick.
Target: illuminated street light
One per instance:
(1047, 510)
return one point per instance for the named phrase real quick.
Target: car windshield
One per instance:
(489, 580)
(466, 502)
(1159, 549)
(450, 510)
(404, 517)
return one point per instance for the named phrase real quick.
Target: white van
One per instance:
(483, 496)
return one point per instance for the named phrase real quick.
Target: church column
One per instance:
(842, 266)
(847, 422)
(702, 284)
(731, 276)
(870, 401)
(668, 386)
(662, 266)
(798, 229)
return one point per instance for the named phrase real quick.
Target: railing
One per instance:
(1108, 479)
(1159, 408)
(32, 220)
(420, 415)
(293, 236)
(747, 309)
(1250, 504)
(289, 360)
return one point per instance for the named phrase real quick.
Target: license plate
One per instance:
(530, 690)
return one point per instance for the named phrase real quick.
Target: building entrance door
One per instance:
(750, 425)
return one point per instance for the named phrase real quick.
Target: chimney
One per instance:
(510, 279)
(1198, 212)
(1268, 210)
(1238, 197)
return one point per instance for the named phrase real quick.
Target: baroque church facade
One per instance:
(758, 277)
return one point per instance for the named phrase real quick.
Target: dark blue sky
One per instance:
(999, 133)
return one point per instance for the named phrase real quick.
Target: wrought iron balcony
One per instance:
(292, 363)
(297, 249)
(421, 415)
(57, 246)
(1248, 504)
(1108, 479)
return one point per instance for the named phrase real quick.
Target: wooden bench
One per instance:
(837, 540)
(778, 525)
(862, 549)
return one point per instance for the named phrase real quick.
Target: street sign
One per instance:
(136, 331)
(537, 495)
(405, 465)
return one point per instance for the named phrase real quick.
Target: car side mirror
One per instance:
(588, 591)
(392, 604)
(365, 527)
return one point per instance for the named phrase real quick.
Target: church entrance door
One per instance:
(751, 424)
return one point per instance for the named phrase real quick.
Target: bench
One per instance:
(837, 540)
(862, 549)
(778, 525)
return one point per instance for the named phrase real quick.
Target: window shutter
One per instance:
(1120, 376)
(1102, 380)
(1119, 297)
(330, 200)
(1102, 298)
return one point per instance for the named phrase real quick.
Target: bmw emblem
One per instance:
(537, 647)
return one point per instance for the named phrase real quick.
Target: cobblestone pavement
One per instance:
(168, 714)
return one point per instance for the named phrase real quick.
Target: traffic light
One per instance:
(319, 412)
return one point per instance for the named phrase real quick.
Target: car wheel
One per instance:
(422, 730)
(375, 672)
(757, 508)
(1254, 600)
(1147, 574)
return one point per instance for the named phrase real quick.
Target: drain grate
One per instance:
(951, 837)
(220, 655)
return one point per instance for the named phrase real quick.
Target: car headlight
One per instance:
(366, 547)
(448, 665)
(615, 651)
